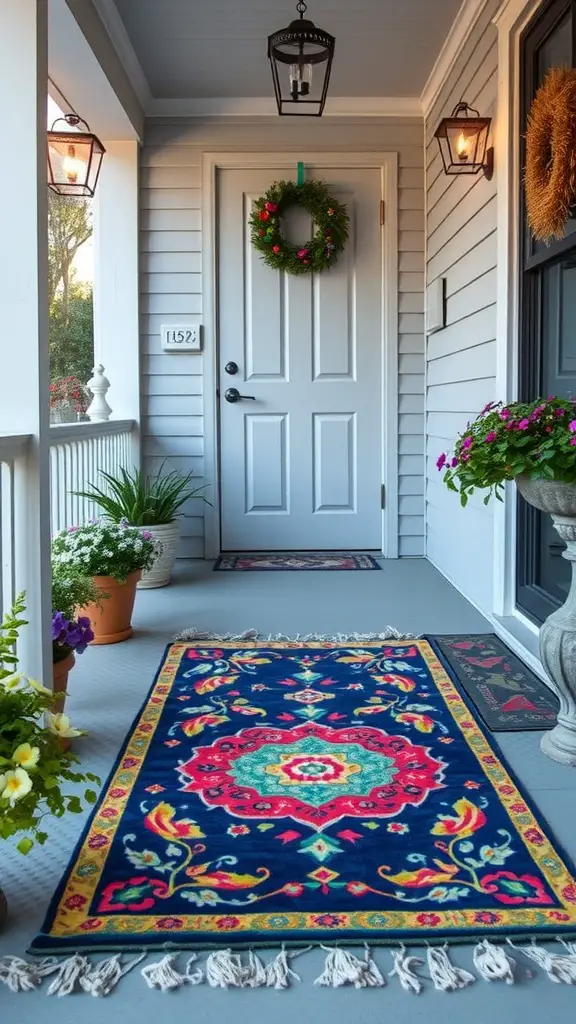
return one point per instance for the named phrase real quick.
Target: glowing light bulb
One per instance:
(462, 146)
(72, 166)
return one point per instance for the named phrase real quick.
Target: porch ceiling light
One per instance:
(301, 60)
(463, 141)
(74, 158)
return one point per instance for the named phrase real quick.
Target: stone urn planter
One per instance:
(558, 633)
(112, 622)
(166, 537)
(60, 672)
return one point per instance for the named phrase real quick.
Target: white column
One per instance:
(24, 406)
(116, 298)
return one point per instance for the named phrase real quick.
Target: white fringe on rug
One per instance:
(226, 969)
(389, 633)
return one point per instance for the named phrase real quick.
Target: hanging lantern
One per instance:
(463, 141)
(74, 159)
(301, 60)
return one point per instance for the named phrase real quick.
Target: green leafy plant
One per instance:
(33, 762)
(72, 589)
(104, 549)
(142, 500)
(536, 439)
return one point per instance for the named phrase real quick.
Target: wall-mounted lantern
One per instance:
(301, 60)
(463, 141)
(74, 158)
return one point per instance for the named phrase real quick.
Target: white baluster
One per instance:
(99, 411)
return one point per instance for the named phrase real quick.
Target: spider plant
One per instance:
(143, 500)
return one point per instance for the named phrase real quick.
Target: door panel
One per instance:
(301, 457)
(547, 322)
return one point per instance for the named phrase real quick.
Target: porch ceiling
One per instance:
(192, 49)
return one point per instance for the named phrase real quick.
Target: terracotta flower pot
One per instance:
(112, 622)
(60, 670)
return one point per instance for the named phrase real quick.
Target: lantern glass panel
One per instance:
(74, 160)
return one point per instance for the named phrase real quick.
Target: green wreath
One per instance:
(330, 218)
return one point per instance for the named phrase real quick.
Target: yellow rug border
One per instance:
(68, 922)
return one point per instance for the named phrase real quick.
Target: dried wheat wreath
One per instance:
(330, 218)
(551, 155)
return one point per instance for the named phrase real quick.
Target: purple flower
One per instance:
(74, 634)
(465, 457)
(559, 412)
(504, 414)
(573, 440)
(466, 444)
(572, 427)
(487, 408)
(524, 424)
(441, 461)
(146, 535)
(454, 462)
(73, 529)
(59, 625)
(490, 437)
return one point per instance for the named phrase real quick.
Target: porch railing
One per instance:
(78, 452)
(13, 454)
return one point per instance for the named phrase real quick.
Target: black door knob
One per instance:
(233, 395)
(231, 368)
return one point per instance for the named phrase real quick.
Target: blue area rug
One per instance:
(301, 793)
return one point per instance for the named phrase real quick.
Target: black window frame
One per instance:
(536, 603)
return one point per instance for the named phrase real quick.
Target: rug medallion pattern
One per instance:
(289, 792)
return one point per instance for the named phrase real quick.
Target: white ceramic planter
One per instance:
(167, 537)
(558, 633)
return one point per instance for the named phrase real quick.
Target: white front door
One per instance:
(301, 454)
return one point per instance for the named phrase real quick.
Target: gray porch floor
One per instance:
(109, 684)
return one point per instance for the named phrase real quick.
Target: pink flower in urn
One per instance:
(524, 424)
(466, 443)
(572, 427)
(504, 414)
(490, 437)
(441, 461)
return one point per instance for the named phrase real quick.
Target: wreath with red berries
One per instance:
(330, 218)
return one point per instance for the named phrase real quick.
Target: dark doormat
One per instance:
(507, 694)
(295, 562)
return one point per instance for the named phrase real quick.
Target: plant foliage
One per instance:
(104, 549)
(536, 439)
(144, 500)
(330, 218)
(33, 764)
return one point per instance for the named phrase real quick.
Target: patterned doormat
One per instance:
(298, 793)
(327, 561)
(507, 694)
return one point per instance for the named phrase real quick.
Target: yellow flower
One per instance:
(13, 682)
(26, 756)
(15, 785)
(42, 690)
(61, 726)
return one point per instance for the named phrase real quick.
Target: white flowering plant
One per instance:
(34, 763)
(105, 549)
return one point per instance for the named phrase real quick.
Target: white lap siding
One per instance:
(461, 359)
(171, 287)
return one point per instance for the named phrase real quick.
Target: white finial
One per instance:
(98, 410)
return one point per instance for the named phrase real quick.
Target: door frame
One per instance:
(387, 164)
